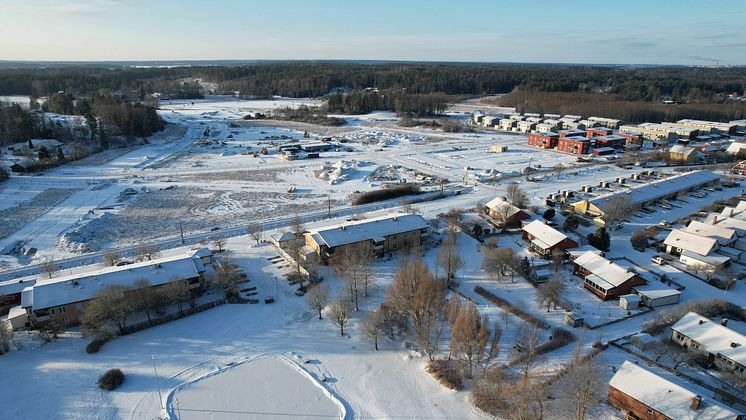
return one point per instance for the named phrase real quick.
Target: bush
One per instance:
(111, 379)
(571, 223)
(639, 240)
(447, 373)
(549, 214)
(386, 194)
(95, 345)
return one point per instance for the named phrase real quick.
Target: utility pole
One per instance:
(157, 383)
(182, 232)
(329, 205)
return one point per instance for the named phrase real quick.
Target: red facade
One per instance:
(543, 140)
(598, 131)
(574, 145)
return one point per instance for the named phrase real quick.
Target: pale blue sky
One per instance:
(571, 31)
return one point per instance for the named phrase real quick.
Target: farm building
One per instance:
(722, 345)
(575, 145)
(543, 140)
(649, 193)
(547, 241)
(504, 214)
(641, 394)
(385, 233)
(62, 299)
(604, 278)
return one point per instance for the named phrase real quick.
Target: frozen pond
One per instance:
(269, 388)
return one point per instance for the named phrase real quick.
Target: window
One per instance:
(62, 309)
(65, 321)
(649, 411)
(51, 311)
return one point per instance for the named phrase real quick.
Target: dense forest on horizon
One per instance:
(650, 84)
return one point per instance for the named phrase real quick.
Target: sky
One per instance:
(703, 32)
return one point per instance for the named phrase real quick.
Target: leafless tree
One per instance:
(111, 258)
(295, 247)
(49, 266)
(448, 256)
(147, 298)
(339, 313)
(526, 348)
(145, 251)
(111, 304)
(6, 336)
(177, 291)
(256, 232)
(226, 278)
(318, 298)
(373, 326)
(419, 296)
(515, 195)
(617, 210)
(500, 261)
(582, 386)
(677, 355)
(469, 337)
(558, 168)
(550, 293)
(219, 243)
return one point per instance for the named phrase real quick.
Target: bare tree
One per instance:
(500, 261)
(147, 298)
(111, 258)
(6, 336)
(177, 291)
(550, 294)
(448, 256)
(419, 296)
(111, 304)
(318, 298)
(515, 195)
(145, 251)
(373, 326)
(558, 168)
(49, 266)
(295, 247)
(582, 386)
(617, 209)
(469, 337)
(339, 313)
(227, 277)
(526, 348)
(219, 243)
(256, 232)
(677, 355)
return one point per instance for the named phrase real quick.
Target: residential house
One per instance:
(739, 168)
(607, 122)
(543, 140)
(574, 145)
(504, 214)
(507, 124)
(387, 233)
(736, 147)
(643, 395)
(722, 345)
(697, 252)
(685, 155)
(547, 241)
(526, 126)
(604, 278)
(597, 131)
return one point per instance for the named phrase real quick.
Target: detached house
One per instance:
(547, 241)
(722, 345)
(604, 278)
(641, 394)
(505, 214)
(694, 250)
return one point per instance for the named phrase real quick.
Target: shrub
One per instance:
(549, 214)
(95, 345)
(639, 240)
(386, 194)
(571, 223)
(111, 379)
(447, 373)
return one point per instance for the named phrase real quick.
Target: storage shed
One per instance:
(629, 302)
(653, 296)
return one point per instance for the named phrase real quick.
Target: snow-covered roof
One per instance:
(690, 242)
(576, 252)
(14, 286)
(608, 137)
(544, 233)
(375, 229)
(605, 149)
(630, 297)
(502, 207)
(727, 222)
(734, 213)
(721, 234)
(657, 189)
(57, 291)
(683, 150)
(712, 259)
(606, 270)
(741, 205)
(653, 291)
(669, 398)
(714, 337)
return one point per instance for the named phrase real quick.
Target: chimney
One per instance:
(724, 322)
(696, 401)
(731, 212)
(714, 219)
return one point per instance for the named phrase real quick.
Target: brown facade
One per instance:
(390, 244)
(511, 221)
(607, 294)
(598, 131)
(543, 141)
(632, 408)
(574, 146)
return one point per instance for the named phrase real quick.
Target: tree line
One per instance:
(306, 79)
(594, 104)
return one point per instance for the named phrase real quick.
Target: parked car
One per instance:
(657, 259)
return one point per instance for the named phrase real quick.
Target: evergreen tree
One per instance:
(43, 153)
(600, 239)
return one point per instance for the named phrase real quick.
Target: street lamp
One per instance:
(157, 383)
